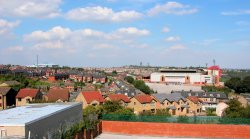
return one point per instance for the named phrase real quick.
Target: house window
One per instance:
(178, 109)
(0, 104)
(28, 100)
(0, 97)
(153, 110)
(19, 99)
(125, 104)
(143, 105)
(134, 103)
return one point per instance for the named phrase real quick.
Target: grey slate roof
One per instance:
(218, 95)
(172, 107)
(170, 97)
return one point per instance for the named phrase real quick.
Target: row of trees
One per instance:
(239, 85)
(139, 84)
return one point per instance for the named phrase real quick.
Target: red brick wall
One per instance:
(176, 129)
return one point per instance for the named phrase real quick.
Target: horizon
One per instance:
(112, 33)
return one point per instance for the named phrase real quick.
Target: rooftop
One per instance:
(21, 116)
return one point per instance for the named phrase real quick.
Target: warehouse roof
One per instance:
(21, 116)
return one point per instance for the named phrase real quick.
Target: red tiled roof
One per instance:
(216, 68)
(194, 99)
(144, 98)
(27, 92)
(92, 95)
(118, 97)
(56, 94)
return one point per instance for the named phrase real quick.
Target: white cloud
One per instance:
(178, 47)
(6, 26)
(59, 37)
(102, 14)
(15, 49)
(173, 39)
(30, 8)
(56, 33)
(132, 31)
(49, 45)
(238, 12)
(172, 8)
(165, 29)
(103, 46)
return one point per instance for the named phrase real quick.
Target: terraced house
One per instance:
(121, 98)
(175, 102)
(195, 105)
(142, 103)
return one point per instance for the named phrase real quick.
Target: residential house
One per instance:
(57, 95)
(7, 97)
(175, 102)
(121, 98)
(209, 99)
(195, 105)
(90, 98)
(142, 103)
(97, 78)
(26, 95)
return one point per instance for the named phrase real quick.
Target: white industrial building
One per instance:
(39, 121)
(186, 76)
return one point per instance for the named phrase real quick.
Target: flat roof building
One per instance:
(42, 120)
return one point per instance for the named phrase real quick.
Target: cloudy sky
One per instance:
(125, 32)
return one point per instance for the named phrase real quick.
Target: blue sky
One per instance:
(105, 33)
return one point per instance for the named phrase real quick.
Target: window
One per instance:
(19, 99)
(125, 104)
(143, 105)
(134, 103)
(0, 97)
(178, 109)
(28, 100)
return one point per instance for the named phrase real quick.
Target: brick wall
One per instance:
(176, 129)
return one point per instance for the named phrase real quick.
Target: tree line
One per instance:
(239, 85)
(139, 84)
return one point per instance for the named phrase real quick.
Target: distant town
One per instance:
(67, 95)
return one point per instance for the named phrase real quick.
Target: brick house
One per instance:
(175, 102)
(57, 95)
(7, 97)
(121, 98)
(195, 105)
(90, 98)
(141, 103)
(26, 95)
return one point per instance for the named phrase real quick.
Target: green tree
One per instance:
(234, 110)
(114, 72)
(235, 83)
(129, 79)
(246, 84)
(210, 112)
(139, 84)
